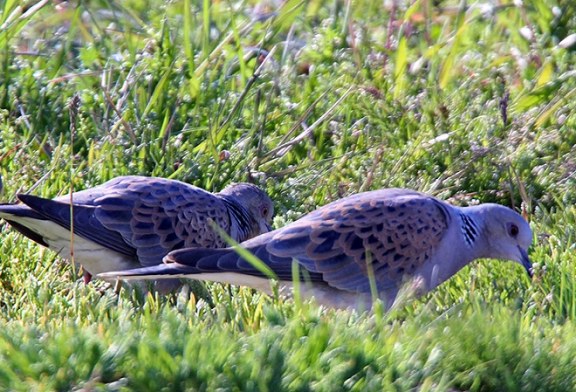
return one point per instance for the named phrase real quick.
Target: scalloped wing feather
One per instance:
(400, 232)
(350, 239)
(157, 215)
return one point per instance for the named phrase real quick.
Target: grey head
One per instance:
(258, 207)
(504, 233)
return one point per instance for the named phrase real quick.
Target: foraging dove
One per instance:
(369, 242)
(134, 221)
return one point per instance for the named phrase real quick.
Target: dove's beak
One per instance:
(265, 227)
(525, 261)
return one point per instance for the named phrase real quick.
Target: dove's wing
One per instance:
(140, 217)
(159, 216)
(370, 233)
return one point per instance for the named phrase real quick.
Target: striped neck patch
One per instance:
(469, 229)
(241, 216)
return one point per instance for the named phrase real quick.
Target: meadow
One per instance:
(312, 100)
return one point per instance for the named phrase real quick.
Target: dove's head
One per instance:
(256, 202)
(508, 236)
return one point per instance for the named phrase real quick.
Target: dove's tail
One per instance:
(216, 265)
(19, 217)
(225, 265)
(43, 219)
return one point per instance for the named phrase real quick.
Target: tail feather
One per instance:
(49, 209)
(159, 271)
(86, 224)
(12, 212)
(201, 260)
(18, 210)
(185, 263)
(27, 232)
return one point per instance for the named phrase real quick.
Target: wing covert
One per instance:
(156, 216)
(394, 236)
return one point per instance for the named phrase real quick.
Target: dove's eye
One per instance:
(513, 230)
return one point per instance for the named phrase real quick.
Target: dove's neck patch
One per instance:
(469, 229)
(238, 214)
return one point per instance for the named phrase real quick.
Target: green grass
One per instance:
(469, 103)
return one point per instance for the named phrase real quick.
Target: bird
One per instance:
(134, 221)
(363, 247)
